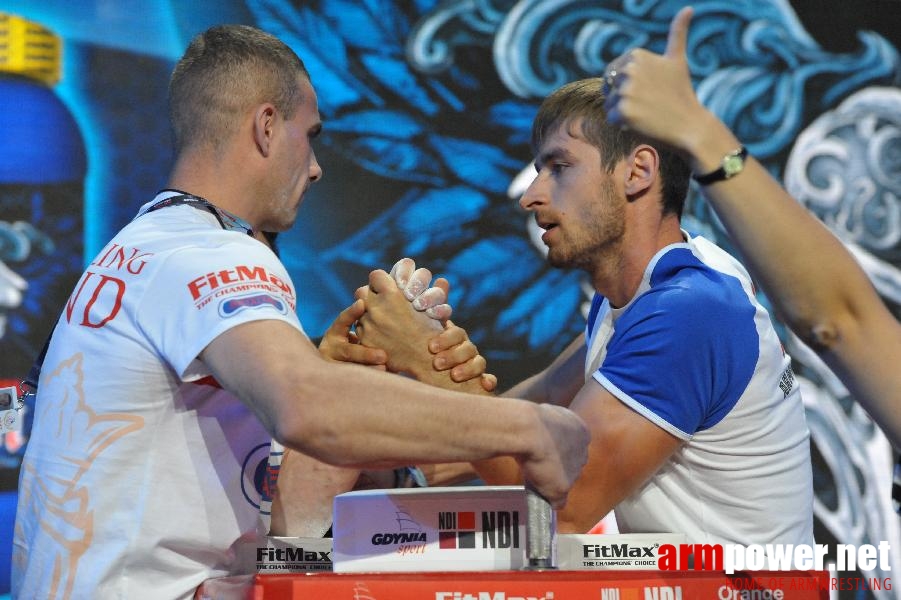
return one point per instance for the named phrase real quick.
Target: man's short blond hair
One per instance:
(225, 71)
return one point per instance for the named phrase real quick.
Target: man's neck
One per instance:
(222, 187)
(618, 275)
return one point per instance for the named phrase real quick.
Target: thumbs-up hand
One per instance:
(652, 93)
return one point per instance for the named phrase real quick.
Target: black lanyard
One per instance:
(227, 220)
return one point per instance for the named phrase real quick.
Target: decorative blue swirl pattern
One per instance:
(434, 100)
(440, 98)
(408, 102)
(431, 44)
(751, 60)
(846, 168)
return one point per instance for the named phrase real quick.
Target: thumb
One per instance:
(442, 283)
(380, 280)
(678, 34)
(347, 317)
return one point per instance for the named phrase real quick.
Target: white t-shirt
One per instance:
(141, 475)
(695, 353)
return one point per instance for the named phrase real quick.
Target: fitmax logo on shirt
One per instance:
(240, 274)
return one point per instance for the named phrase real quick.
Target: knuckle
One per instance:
(466, 351)
(452, 335)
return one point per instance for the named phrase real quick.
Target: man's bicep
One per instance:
(865, 357)
(257, 362)
(626, 450)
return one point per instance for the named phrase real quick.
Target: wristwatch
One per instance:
(732, 165)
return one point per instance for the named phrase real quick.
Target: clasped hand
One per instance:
(400, 322)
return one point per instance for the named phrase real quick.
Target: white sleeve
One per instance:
(201, 292)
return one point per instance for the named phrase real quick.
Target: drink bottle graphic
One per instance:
(42, 170)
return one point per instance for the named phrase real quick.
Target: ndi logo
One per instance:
(457, 530)
(619, 594)
(628, 593)
(663, 592)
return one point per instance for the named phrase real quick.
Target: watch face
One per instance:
(732, 165)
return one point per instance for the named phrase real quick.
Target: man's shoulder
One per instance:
(180, 230)
(687, 299)
(717, 258)
(699, 276)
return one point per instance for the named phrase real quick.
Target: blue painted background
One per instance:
(427, 109)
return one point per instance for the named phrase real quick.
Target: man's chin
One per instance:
(567, 262)
(279, 226)
(558, 261)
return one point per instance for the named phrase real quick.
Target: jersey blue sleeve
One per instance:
(684, 352)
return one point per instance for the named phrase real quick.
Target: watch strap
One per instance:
(731, 166)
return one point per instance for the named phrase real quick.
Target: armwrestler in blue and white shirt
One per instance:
(697, 423)
(694, 353)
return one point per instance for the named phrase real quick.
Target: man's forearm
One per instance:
(809, 275)
(559, 383)
(305, 491)
(502, 470)
(814, 283)
(384, 420)
(449, 473)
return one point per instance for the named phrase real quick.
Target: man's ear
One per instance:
(642, 169)
(264, 127)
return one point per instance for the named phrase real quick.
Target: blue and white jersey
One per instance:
(696, 354)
